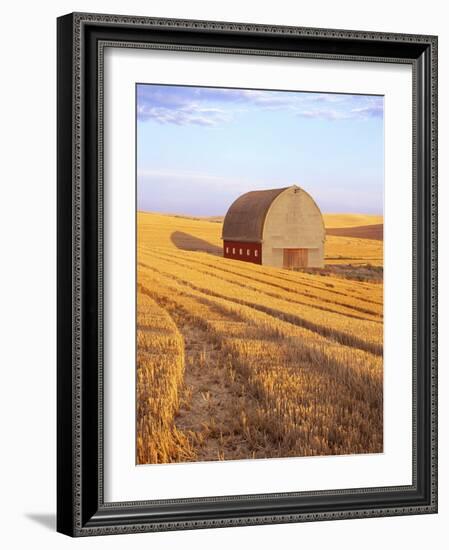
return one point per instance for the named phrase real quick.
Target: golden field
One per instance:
(237, 360)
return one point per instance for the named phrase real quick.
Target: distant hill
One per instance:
(359, 226)
(375, 231)
(351, 220)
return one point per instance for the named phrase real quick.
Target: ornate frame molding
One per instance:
(81, 510)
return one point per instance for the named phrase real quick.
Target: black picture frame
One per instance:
(81, 510)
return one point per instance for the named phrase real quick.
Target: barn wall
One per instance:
(316, 257)
(252, 248)
(293, 221)
(272, 256)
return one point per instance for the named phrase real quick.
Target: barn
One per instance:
(278, 227)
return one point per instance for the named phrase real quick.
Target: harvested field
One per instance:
(237, 360)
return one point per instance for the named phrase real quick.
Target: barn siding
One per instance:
(228, 246)
(293, 221)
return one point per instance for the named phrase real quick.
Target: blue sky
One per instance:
(199, 148)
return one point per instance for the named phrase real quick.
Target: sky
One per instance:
(200, 148)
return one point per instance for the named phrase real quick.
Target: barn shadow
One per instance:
(185, 241)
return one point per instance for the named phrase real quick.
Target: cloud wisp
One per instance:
(358, 113)
(200, 106)
(183, 116)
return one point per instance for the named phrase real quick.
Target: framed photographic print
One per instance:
(247, 249)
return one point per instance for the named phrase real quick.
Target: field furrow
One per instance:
(213, 430)
(294, 293)
(237, 360)
(340, 327)
(160, 374)
(282, 371)
(364, 297)
(355, 365)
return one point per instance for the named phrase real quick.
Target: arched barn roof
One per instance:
(245, 218)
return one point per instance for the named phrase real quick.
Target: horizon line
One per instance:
(358, 213)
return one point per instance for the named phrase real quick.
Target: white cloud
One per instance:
(183, 116)
(325, 114)
(190, 105)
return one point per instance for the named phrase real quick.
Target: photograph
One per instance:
(259, 273)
